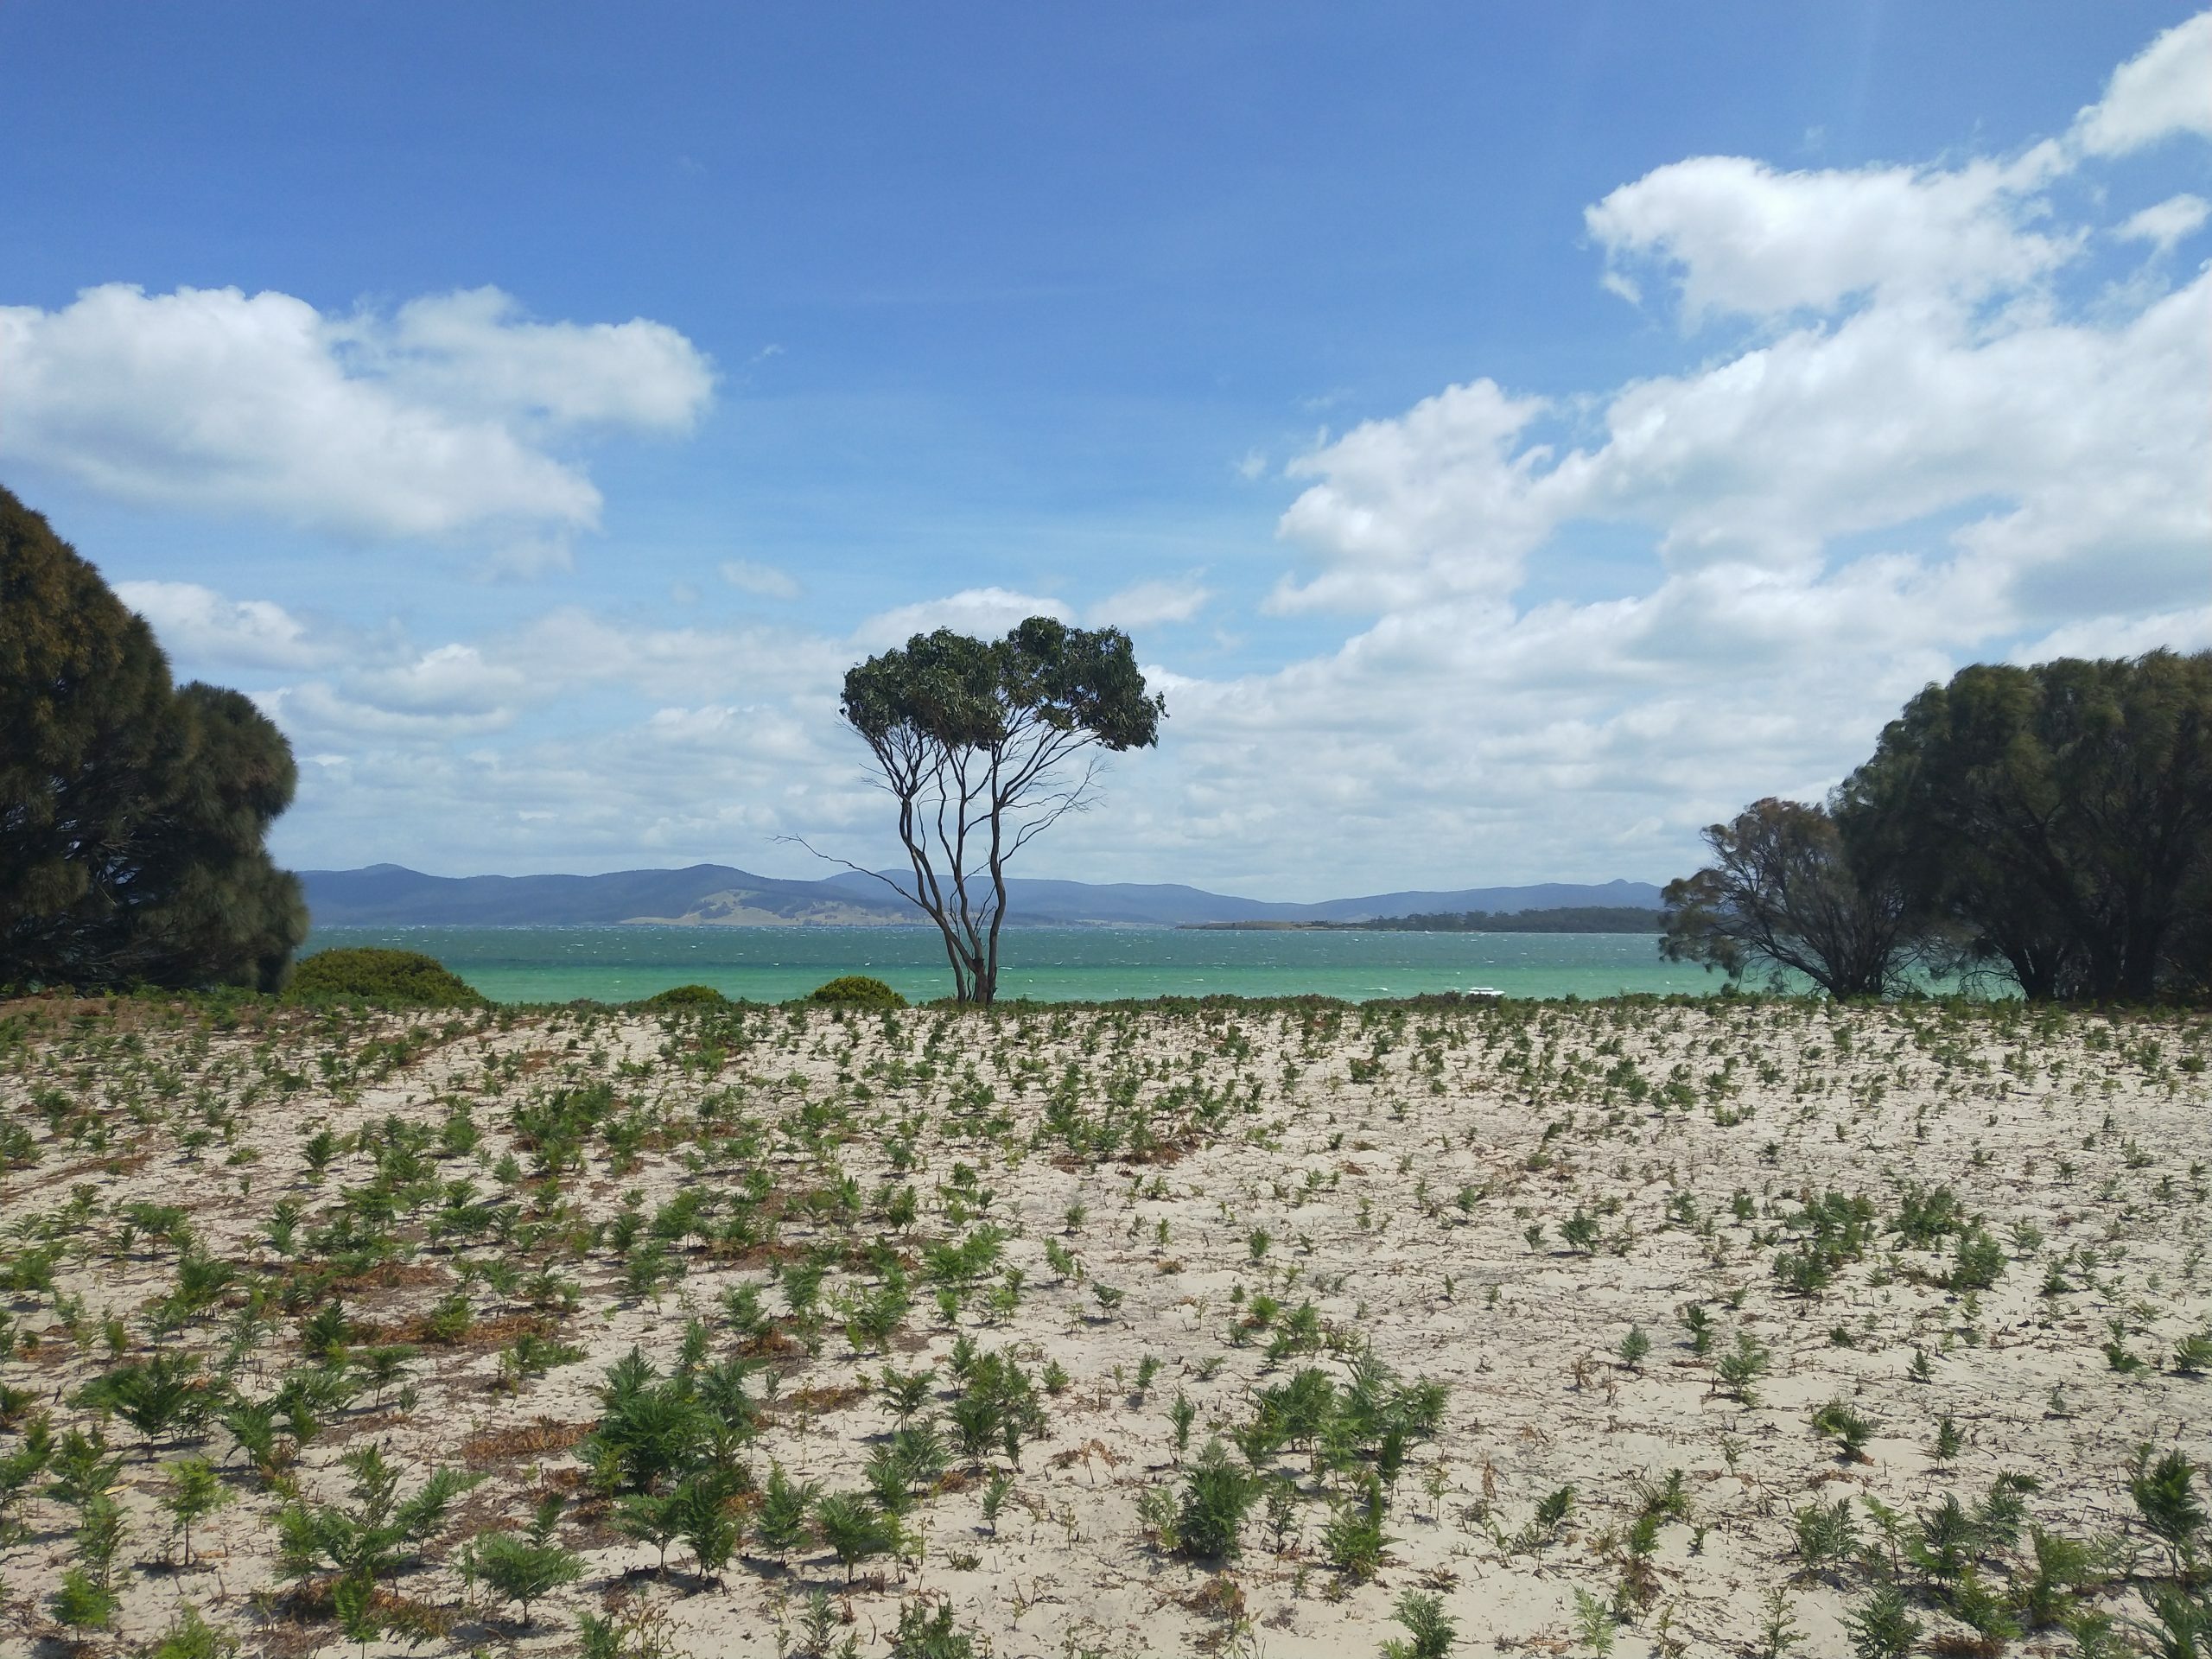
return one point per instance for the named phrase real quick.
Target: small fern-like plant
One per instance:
(1429, 1633)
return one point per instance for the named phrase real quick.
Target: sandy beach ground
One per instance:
(1981, 1236)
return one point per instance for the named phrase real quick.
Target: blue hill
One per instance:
(392, 896)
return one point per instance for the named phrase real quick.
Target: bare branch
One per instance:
(857, 869)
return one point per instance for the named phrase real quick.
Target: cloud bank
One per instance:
(447, 417)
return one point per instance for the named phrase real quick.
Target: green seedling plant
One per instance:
(1635, 1347)
(1828, 1536)
(1180, 1416)
(1594, 1622)
(1353, 1542)
(996, 1490)
(780, 1517)
(2170, 1506)
(855, 1530)
(1430, 1633)
(1216, 1496)
(527, 1567)
(657, 1518)
(189, 1635)
(378, 1533)
(1883, 1626)
(906, 1392)
(1739, 1369)
(1839, 1422)
(705, 1520)
(193, 1492)
(353, 1598)
(1949, 1440)
(82, 1601)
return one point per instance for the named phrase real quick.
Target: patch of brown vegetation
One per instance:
(484, 1333)
(537, 1439)
(392, 1275)
(1085, 1453)
(1220, 1597)
(818, 1399)
(757, 1256)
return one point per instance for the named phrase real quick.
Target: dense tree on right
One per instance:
(2057, 820)
(2050, 823)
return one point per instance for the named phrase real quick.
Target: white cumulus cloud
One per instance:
(2164, 91)
(199, 625)
(983, 612)
(477, 350)
(1440, 498)
(1743, 238)
(433, 423)
(449, 679)
(2165, 223)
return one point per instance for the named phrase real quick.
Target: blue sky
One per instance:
(1515, 436)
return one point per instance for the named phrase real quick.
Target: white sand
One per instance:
(2072, 1128)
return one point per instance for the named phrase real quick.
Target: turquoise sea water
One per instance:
(618, 965)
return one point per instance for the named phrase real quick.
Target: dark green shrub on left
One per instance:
(396, 979)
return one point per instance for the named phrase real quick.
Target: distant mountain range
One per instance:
(387, 895)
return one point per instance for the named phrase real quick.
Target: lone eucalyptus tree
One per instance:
(984, 745)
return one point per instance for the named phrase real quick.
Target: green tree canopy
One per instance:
(2052, 822)
(1786, 890)
(2057, 818)
(132, 812)
(985, 744)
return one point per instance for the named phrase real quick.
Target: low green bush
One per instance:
(388, 978)
(687, 996)
(857, 991)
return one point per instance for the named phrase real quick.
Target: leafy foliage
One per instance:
(527, 1568)
(378, 1533)
(132, 811)
(855, 1528)
(856, 991)
(2050, 823)
(975, 738)
(157, 1395)
(1429, 1633)
(1786, 891)
(2056, 819)
(686, 996)
(383, 978)
(929, 1634)
(2166, 1497)
(1217, 1497)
